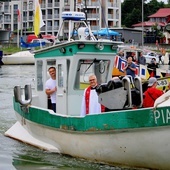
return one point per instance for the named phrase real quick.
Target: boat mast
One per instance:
(85, 10)
(142, 23)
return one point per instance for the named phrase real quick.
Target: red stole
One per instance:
(87, 100)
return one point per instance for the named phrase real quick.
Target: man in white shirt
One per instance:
(50, 87)
(90, 102)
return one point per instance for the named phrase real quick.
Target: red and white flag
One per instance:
(19, 15)
(116, 61)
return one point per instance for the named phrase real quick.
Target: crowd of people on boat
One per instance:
(152, 66)
(90, 102)
(133, 62)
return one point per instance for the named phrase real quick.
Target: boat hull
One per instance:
(134, 147)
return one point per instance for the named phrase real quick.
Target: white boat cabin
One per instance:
(72, 73)
(74, 62)
(71, 78)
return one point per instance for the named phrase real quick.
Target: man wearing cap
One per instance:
(152, 93)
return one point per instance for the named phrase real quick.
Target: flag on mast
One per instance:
(19, 26)
(19, 15)
(38, 21)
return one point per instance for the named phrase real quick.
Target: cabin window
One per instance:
(50, 63)
(40, 75)
(60, 75)
(93, 66)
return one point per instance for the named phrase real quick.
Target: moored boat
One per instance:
(22, 57)
(122, 135)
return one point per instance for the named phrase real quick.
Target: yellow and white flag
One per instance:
(38, 21)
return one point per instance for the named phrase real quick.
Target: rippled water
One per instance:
(17, 155)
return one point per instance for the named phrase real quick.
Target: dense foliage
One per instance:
(132, 10)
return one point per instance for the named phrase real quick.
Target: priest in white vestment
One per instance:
(90, 104)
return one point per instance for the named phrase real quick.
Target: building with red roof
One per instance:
(162, 13)
(161, 18)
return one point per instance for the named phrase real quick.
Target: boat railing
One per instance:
(138, 86)
(18, 95)
(134, 91)
(127, 81)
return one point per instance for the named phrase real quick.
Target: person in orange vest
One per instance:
(90, 104)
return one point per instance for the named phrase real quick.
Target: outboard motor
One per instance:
(112, 84)
(121, 94)
(112, 95)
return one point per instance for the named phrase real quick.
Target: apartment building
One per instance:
(100, 14)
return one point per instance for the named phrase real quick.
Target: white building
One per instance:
(100, 14)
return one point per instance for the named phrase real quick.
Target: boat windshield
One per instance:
(88, 67)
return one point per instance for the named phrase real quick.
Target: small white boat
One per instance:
(22, 57)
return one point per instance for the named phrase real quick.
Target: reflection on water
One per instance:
(16, 155)
(37, 159)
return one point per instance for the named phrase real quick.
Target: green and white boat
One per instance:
(122, 135)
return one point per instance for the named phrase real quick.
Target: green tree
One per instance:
(159, 32)
(153, 6)
(133, 18)
(132, 11)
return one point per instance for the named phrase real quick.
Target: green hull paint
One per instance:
(118, 120)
